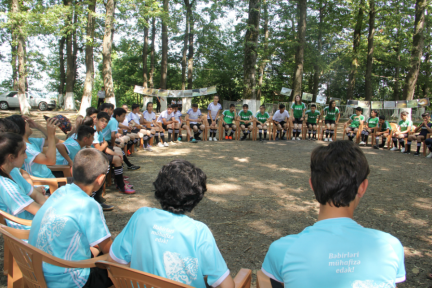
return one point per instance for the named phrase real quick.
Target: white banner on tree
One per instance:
(175, 93)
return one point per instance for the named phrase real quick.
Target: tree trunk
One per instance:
(144, 57)
(264, 60)
(62, 71)
(368, 78)
(25, 65)
(356, 44)
(152, 53)
(396, 89)
(69, 98)
(417, 50)
(185, 47)
(426, 88)
(191, 46)
(317, 69)
(75, 49)
(298, 77)
(14, 62)
(106, 53)
(164, 61)
(88, 84)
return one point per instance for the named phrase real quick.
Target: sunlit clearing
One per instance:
(244, 160)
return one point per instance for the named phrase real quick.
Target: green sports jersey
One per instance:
(262, 117)
(245, 116)
(373, 122)
(331, 115)
(385, 126)
(228, 116)
(404, 125)
(312, 116)
(355, 120)
(298, 109)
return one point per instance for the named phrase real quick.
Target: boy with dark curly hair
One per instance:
(168, 243)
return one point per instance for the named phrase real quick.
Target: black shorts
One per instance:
(98, 278)
(247, 125)
(135, 130)
(308, 123)
(183, 125)
(297, 121)
(196, 124)
(282, 123)
(149, 129)
(352, 128)
(108, 156)
(329, 122)
(210, 121)
(164, 127)
(229, 125)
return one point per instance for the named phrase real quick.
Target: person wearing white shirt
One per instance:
(101, 96)
(193, 116)
(134, 120)
(149, 121)
(280, 120)
(181, 125)
(166, 118)
(214, 109)
(127, 129)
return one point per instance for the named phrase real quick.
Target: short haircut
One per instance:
(359, 109)
(382, 117)
(148, 103)
(103, 115)
(245, 106)
(193, 105)
(105, 106)
(170, 106)
(88, 165)
(337, 170)
(426, 114)
(119, 112)
(281, 106)
(262, 106)
(19, 121)
(313, 105)
(180, 186)
(84, 131)
(134, 106)
(88, 121)
(8, 126)
(91, 110)
(232, 105)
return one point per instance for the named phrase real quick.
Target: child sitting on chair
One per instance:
(354, 123)
(168, 243)
(425, 128)
(384, 130)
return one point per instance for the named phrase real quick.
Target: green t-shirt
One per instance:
(245, 116)
(355, 120)
(331, 115)
(312, 116)
(373, 122)
(262, 117)
(228, 116)
(298, 109)
(385, 126)
(404, 125)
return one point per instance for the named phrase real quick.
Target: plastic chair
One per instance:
(125, 277)
(29, 259)
(53, 183)
(61, 168)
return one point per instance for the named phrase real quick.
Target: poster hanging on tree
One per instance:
(175, 93)
(321, 99)
(389, 104)
(352, 103)
(307, 97)
(401, 104)
(423, 102)
(377, 104)
(412, 104)
(286, 91)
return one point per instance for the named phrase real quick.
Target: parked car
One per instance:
(36, 100)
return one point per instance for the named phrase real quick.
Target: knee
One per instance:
(332, 127)
(260, 127)
(234, 127)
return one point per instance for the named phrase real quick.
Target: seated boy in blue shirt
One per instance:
(67, 150)
(336, 251)
(71, 222)
(168, 243)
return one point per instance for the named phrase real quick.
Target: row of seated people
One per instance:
(334, 252)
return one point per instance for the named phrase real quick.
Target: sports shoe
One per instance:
(362, 143)
(298, 138)
(314, 139)
(277, 138)
(125, 178)
(293, 138)
(198, 138)
(106, 207)
(179, 139)
(330, 140)
(325, 139)
(166, 144)
(160, 144)
(406, 152)
(417, 154)
(210, 139)
(226, 137)
(193, 140)
(214, 139)
(130, 186)
(148, 149)
(127, 191)
(126, 182)
(375, 147)
(382, 145)
(172, 143)
(133, 167)
(394, 149)
(243, 138)
(430, 155)
(403, 150)
(230, 137)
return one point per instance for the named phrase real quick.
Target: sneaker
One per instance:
(243, 138)
(375, 147)
(230, 138)
(130, 186)
(277, 138)
(193, 140)
(293, 138)
(125, 178)
(166, 144)
(362, 143)
(160, 144)
(298, 138)
(325, 139)
(210, 139)
(406, 152)
(314, 139)
(226, 137)
(330, 140)
(148, 149)
(214, 139)
(127, 191)
(394, 149)
(198, 138)
(283, 138)
(382, 145)
(179, 139)
(430, 155)
(126, 182)
(106, 207)
(172, 143)
(133, 167)
(403, 150)
(417, 154)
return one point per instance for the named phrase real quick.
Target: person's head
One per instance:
(78, 122)
(88, 121)
(175, 107)
(135, 108)
(180, 186)
(332, 104)
(92, 112)
(8, 126)
(107, 107)
(24, 128)
(119, 114)
(281, 108)
(89, 168)
(232, 107)
(297, 99)
(313, 107)
(215, 99)
(12, 152)
(262, 109)
(359, 111)
(426, 116)
(404, 115)
(85, 135)
(339, 174)
(103, 88)
(149, 106)
(125, 107)
(194, 107)
(374, 113)
(245, 107)
(381, 119)
(102, 120)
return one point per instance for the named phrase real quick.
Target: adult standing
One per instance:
(101, 96)
(159, 103)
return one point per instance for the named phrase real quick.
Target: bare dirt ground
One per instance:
(259, 192)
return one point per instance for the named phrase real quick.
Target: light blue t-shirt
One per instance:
(171, 246)
(111, 127)
(66, 226)
(14, 198)
(98, 137)
(72, 148)
(34, 148)
(337, 253)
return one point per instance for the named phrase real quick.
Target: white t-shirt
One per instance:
(173, 102)
(101, 94)
(132, 116)
(177, 116)
(125, 123)
(166, 116)
(149, 117)
(193, 115)
(213, 110)
(280, 117)
(179, 102)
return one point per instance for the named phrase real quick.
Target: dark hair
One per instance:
(148, 103)
(382, 117)
(313, 105)
(281, 106)
(330, 105)
(88, 121)
(85, 131)
(119, 112)
(180, 186)
(295, 102)
(426, 114)
(359, 109)
(170, 106)
(19, 121)
(8, 126)
(10, 143)
(245, 106)
(103, 115)
(232, 105)
(134, 106)
(106, 106)
(78, 122)
(262, 106)
(404, 113)
(91, 110)
(174, 106)
(337, 170)
(376, 112)
(88, 165)
(193, 105)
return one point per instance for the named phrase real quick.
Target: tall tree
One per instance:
(14, 62)
(144, 56)
(106, 52)
(368, 77)
(164, 61)
(265, 57)
(70, 77)
(88, 84)
(299, 57)
(427, 63)
(185, 47)
(250, 50)
(356, 45)
(317, 68)
(62, 77)
(191, 24)
(416, 51)
(152, 53)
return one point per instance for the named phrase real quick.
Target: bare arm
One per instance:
(62, 150)
(38, 197)
(101, 147)
(33, 208)
(26, 176)
(105, 246)
(227, 283)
